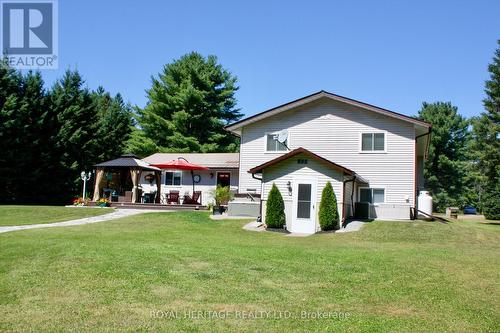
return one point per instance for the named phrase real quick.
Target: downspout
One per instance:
(254, 177)
(343, 194)
(259, 219)
(415, 177)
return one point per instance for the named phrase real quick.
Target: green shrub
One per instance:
(222, 195)
(275, 209)
(328, 212)
(491, 205)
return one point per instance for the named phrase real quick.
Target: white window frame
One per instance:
(276, 151)
(165, 178)
(373, 188)
(361, 151)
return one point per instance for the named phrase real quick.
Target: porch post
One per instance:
(135, 181)
(97, 188)
(158, 186)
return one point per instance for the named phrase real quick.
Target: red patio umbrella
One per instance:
(181, 164)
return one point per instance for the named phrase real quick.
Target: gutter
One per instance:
(428, 141)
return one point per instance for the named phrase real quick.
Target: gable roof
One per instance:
(259, 168)
(209, 160)
(316, 96)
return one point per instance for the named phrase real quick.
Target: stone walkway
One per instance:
(351, 226)
(118, 213)
(254, 226)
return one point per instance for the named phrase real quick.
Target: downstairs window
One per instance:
(173, 178)
(372, 195)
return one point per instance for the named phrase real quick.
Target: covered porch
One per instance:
(122, 182)
(118, 181)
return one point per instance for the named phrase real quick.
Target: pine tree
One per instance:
(36, 137)
(140, 145)
(486, 144)
(328, 211)
(190, 102)
(275, 209)
(10, 99)
(445, 168)
(114, 124)
(78, 123)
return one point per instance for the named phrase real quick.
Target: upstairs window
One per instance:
(173, 178)
(373, 142)
(273, 144)
(372, 195)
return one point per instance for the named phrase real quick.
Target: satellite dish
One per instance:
(282, 136)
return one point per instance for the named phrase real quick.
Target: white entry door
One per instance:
(304, 206)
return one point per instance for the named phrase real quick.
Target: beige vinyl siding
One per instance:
(333, 130)
(283, 172)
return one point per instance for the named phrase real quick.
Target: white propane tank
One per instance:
(425, 202)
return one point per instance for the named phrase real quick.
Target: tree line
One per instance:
(463, 166)
(48, 136)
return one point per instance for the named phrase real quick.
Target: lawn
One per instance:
(21, 215)
(154, 272)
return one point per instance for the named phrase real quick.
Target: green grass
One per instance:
(389, 277)
(22, 215)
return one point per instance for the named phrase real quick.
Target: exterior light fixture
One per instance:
(85, 177)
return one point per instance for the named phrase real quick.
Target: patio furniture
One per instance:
(106, 192)
(173, 197)
(149, 197)
(195, 200)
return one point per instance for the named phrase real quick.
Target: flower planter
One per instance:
(218, 210)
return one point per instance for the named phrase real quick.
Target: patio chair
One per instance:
(173, 197)
(149, 197)
(195, 200)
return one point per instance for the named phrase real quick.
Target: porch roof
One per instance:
(127, 161)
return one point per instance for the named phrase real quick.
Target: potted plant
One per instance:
(80, 202)
(103, 202)
(222, 196)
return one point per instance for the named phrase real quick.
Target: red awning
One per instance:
(179, 164)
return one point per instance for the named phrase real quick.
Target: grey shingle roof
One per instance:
(127, 161)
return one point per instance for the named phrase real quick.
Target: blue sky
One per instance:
(394, 54)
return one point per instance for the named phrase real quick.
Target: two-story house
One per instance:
(373, 157)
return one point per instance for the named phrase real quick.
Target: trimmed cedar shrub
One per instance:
(328, 212)
(275, 209)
